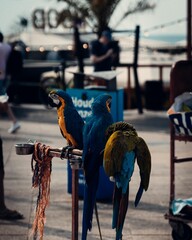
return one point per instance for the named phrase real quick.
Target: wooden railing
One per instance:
(130, 67)
(131, 77)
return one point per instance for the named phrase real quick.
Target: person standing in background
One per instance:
(5, 50)
(5, 213)
(14, 69)
(102, 52)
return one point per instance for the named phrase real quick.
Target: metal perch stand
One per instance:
(76, 163)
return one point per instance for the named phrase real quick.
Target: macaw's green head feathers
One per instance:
(122, 126)
(58, 97)
(102, 103)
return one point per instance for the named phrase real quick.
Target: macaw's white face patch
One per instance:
(55, 98)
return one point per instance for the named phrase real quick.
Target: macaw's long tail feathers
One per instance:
(98, 223)
(119, 233)
(87, 212)
(120, 206)
(116, 204)
(139, 195)
(122, 214)
(88, 205)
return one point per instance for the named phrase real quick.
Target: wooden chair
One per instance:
(180, 82)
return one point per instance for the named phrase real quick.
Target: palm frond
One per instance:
(98, 13)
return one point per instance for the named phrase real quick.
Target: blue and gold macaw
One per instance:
(70, 122)
(94, 140)
(122, 148)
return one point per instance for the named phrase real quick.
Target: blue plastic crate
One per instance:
(105, 187)
(83, 98)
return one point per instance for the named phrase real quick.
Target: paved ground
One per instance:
(146, 222)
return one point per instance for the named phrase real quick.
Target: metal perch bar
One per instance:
(56, 152)
(28, 148)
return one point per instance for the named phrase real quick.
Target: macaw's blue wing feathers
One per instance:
(94, 143)
(94, 140)
(74, 125)
(124, 177)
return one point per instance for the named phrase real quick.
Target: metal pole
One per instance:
(129, 88)
(75, 204)
(135, 66)
(78, 79)
(189, 29)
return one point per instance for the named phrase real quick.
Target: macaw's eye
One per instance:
(108, 104)
(54, 96)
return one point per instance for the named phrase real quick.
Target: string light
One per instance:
(161, 26)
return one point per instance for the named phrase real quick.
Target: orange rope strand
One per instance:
(41, 179)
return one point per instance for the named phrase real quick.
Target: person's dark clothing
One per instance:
(99, 49)
(14, 69)
(1, 157)
(14, 63)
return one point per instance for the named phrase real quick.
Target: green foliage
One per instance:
(98, 13)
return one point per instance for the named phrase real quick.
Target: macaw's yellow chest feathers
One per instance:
(62, 124)
(61, 118)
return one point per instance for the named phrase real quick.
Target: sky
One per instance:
(166, 11)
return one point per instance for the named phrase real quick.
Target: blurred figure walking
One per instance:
(5, 50)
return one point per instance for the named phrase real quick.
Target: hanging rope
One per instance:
(41, 165)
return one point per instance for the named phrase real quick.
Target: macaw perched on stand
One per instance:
(94, 140)
(71, 125)
(122, 147)
(70, 122)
